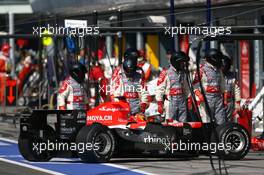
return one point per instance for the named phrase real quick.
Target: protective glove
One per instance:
(62, 108)
(189, 102)
(199, 96)
(143, 107)
(160, 107)
(225, 99)
(235, 116)
(237, 106)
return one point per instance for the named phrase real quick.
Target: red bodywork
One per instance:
(109, 114)
(116, 115)
(257, 144)
(245, 119)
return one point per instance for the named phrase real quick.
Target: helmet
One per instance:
(214, 57)
(226, 63)
(130, 61)
(130, 66)
(131, 53)
(178, 59)
(78, 72)
(5, 49)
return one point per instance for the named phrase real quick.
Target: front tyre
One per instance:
(236, 140)
(101, 143)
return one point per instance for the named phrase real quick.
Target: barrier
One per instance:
(8, 94)
(2, 88)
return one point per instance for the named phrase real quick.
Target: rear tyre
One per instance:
(236, 140)
(31, 152)
(100, 141)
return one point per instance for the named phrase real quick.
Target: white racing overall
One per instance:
(170, 85)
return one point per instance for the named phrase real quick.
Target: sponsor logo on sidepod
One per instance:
(112, 109)
(99, 117)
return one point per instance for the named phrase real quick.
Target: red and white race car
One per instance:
(108, 131)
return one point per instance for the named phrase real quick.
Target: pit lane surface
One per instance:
(9, 153)
(12, 163)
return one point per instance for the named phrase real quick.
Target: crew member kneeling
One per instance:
(171, 84)
(72, 94)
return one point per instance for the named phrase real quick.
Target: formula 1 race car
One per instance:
(108, 131)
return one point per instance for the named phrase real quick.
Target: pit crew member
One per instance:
(232, 91)
(5, 65)
(72, 94)
(213, 81)
(5, 69)
(129, 84)
(172, 84)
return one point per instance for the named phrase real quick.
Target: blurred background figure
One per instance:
(5, 65)
(144, 65)
(81, 57)
(5, 68)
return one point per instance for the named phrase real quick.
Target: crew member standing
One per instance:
(5, 69)
(213, 81)
(72, 94)
(5, 65)
(129, 84)
(172, 84)
(232, 91)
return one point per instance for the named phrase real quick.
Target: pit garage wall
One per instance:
(249, 68)
(248, 59)
(241, 53)
(245, 57)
